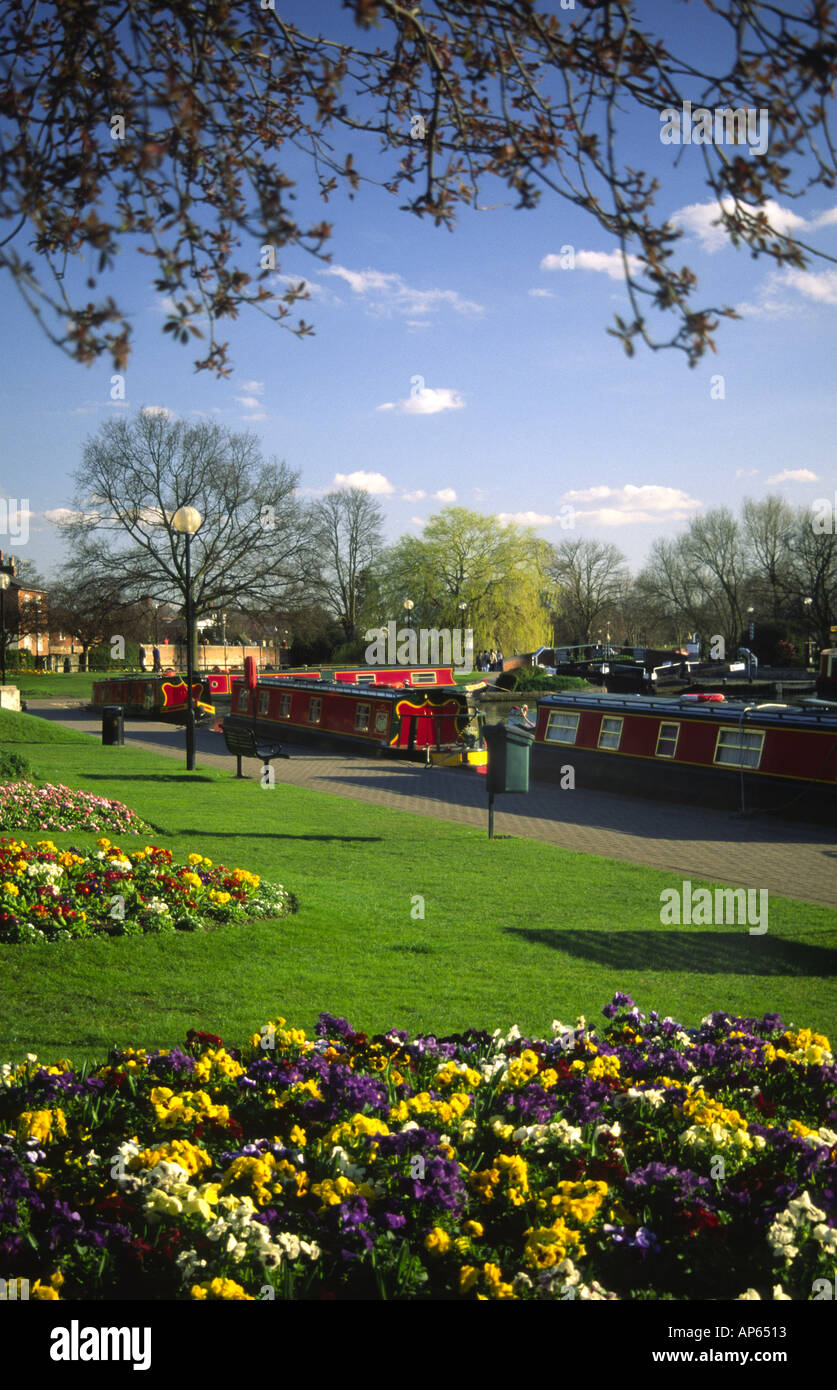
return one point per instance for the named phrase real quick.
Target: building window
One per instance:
(610, 733)
(561, 727)
(314, 711)
(264, 701)
(667, 740)
(362, 718)
(739, 747)
(284, 707)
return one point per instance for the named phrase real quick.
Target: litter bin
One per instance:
(509, 746)
(113, 724)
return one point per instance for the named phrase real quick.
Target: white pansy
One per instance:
(827, 1238)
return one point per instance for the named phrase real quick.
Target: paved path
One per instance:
(793, 860)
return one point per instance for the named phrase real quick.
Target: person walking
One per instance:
(158, 665)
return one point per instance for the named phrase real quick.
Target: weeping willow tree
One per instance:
(466, 570)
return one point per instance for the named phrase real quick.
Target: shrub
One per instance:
(12, 766)
(524, 678)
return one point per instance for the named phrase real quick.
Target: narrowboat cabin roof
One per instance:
(346, 688)
(721, 711)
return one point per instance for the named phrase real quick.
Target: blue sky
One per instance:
(466, 368)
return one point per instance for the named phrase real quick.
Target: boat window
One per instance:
(314, 710)
(561, 727)
(422, 677)
(610, 733)
(739, 747)
(667, 740)
(362, 718)
(364, 680)
(264, 701)
(243, 697)
(284, 707)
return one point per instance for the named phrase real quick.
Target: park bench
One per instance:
(245, 743)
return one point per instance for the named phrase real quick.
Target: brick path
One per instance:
(793, 860)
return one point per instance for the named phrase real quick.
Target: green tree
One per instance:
(465, 558)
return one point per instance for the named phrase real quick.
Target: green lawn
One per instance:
(514, 930)
(49, 685)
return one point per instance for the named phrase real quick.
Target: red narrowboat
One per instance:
(705, 751)
(156, 697)
(388, 718)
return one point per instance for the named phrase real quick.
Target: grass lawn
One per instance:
(514, 930)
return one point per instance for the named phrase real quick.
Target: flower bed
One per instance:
(48, 894)
(54, 807)
(640, 1161)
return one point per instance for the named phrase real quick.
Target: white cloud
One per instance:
(256, 388)
(427, 401)
(819, 285)
(445, 494)
(414, 496)
(825, 219)
(606, 262)
(157, 410)
(57, 514)
(386, 292)
(528, 519)
(249, 402)
(746, 472)
(258, 415)
(794, 475)
(630, 504)
(367, 482)
(542, 294)
(697, 219)
(417, 520)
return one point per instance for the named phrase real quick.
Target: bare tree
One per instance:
(815, 576)
(252, 547)
(348, 532)
(168, 127)
(91, 613)
(591, 577)
(768, 528)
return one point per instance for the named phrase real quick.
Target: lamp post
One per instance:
(186, 521)
(408, 609)
(806, 603)
(4, 584)
(751, 632)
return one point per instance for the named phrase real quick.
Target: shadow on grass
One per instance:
(275, 835)
(700, 952)
(145, 777)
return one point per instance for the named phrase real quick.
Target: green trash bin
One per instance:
(509, 747)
